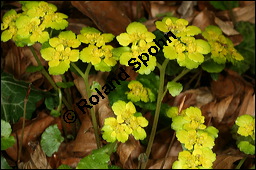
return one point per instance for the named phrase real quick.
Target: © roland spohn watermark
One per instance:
(70, 116)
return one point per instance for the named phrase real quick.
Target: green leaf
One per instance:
(65, 84)
(114, 167)
(7, 142)
(246, 48)
(51, 140)
(212, 131)
(12, 99)
(246, 147)
(224, 5)
(5, 129)
(98, 159)
(32, 69)
(55, 113)
(117, 52)
(174, 88)
(95, 85)
(63, 166)
(119, 92)
(4, 164)
(51, 102)
(211, 67)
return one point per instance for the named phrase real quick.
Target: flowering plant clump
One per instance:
(222, 48)
(127, 122)
(141, 40)
(31, 25)
(60, 54)
(186, 49)
(139, 93)
(97, 52)
(244, 132)
(197, 139)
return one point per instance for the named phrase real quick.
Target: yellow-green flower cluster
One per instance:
(60, 52)
(127, 122)
(222, 48)
(197, 139)
(30, 26)
(97, 52)
(139, 93)
(141, 40)
(244, 133)
(186, 49)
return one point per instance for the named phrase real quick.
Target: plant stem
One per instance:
(158, 107)
(240, 163)
(23, 122)
(48, 77)
(85, 76)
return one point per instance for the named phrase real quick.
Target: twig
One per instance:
(23, 122)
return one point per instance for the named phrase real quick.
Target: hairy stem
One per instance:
(157, 112)
(48, 77)
(85, 76)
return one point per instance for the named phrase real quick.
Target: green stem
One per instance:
(240, 163)
(85, 76)
(60, 100)
(48, 77)
(157, 112)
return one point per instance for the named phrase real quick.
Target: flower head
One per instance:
(246, 125)
(97, 52)
(177, 26)
(60, 54)
(127, 122)
(139, 93)
(222, 48)
(141, 40)
(29, 27)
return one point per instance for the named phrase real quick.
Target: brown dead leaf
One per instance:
(227, 27)
(159, 8)
(246, 13)
(129, 152)
(157, 164)
(33, 129)
(37, 160)
(186, 9)
(105, 14)
(203, 19)
(194, 97)
(225, 161)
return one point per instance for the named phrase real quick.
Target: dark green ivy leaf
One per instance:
(12, 98)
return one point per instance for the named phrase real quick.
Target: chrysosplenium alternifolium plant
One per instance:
(244, 132)
(40, 23)
(197, 140)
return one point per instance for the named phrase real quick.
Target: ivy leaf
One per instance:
(174, 88)
(51, 140)
(98, 159)
(12, 99)
(4, 164)
(65, 84)
(211, 67)
(224, 5)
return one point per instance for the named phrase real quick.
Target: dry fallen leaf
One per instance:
(226, 27)
(38, 160)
